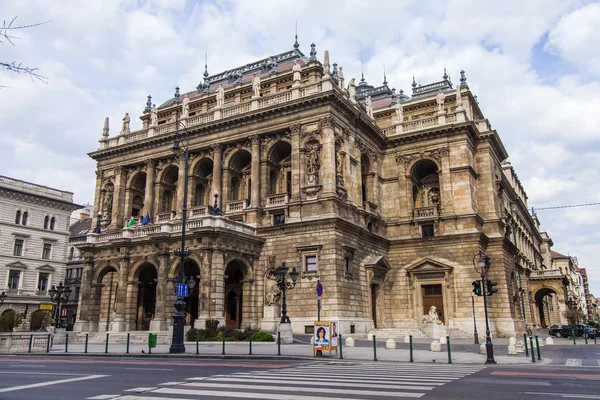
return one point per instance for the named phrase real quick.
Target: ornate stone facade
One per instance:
(386, 208)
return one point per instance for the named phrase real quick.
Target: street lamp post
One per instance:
(58, 295)
(280, 275)
(3, 297)
(481, 262)
(177, 345)
(474, 322)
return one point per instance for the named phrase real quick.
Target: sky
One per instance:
(535, 67)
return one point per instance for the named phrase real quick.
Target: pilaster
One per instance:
(255, 172)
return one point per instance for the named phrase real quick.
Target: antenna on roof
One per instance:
(384, 77)
(362, 72)
(296, 45)
(205, 65)
(414, 84)
(445, 77)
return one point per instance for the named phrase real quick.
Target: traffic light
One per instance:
(477, 288)
(490, 287)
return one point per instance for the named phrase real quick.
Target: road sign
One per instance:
(319, 289)
(46, 307)
(182, 290)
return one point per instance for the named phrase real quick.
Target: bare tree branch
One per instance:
(6, 35)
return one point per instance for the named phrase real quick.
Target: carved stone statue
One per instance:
(339, 164)
(458, 97)
(432, 317)
(256, 85)
(399, 112)
(341, 78)
(440, 100)
(369, 106)
(297, 68)
(125, 126)
(108, 202)
(312, 162)
(153, 116)
(185, 108)
(273, 297)
(352, 89)
(220, 96)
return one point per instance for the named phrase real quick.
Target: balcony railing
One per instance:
(277, 200)
(236, 206)
(430, 212)
(200, 211)
(165, 216)
(546, 274)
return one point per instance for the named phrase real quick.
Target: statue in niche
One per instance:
(399, 111)
(339, 164)
(273, 297)
(108, 202)
(434, 197)
(220, 96)
(369, 106)
(432, 317)
(185, 108)
(125, 126)
(153, 116)
(256, 85)
(440, 100)
(313, 164)
(297, 72)
(352, 89)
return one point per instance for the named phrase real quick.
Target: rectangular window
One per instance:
(77, 289)
(46, 251)
(311, 263)
(43, 282)
(346, 264)
(427, 231)
(13, 279)
(79, 272)
(18, 250)
(279, 219)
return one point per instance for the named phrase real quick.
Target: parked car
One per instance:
(581, 330)
(559, 331)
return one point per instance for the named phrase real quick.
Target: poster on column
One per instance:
(325, 337)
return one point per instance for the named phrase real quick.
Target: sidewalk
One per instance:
(301, 351)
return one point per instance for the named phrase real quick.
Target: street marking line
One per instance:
(28, 366)
(151, 369)
(301, 378)
(567, 395)
(380, 377)
(41, 373)
(598, 362)
(545, 374)
(170, 383)
(574, 362)
(49, 383)
(140, 389)
(276, 396)
(322, 391)
(103, 397)
(313, 383)
(245, 395)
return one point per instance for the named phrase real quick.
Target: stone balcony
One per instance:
(276, 200)
(236, 206)
(546, 274)
(425, 213)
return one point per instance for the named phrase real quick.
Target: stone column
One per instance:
(118, 324)
(217, 171)
(180, 184)
(97, 199)
(82, 324)
(328, 156)
(160, 323)
(149, 192)
(119, 198)
(296, 163)
(204, 290)
(217, 283)
(255, 171)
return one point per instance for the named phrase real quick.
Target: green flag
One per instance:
(131, 222)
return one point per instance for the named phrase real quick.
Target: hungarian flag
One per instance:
(146, 220)
(131, 222)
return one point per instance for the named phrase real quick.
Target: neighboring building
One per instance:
(34, 231)
(384, 198)
(586, 293)
(78, 230)
(595, 309)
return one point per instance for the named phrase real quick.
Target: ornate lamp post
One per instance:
(177, 345)
(3, 297)
(475, 334)
(280, 275)
(215, 210)
(58, 295)
(481, 263)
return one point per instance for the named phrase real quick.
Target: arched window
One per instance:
(18, 217)
(24, 219)
(46, 220)
(52, 221)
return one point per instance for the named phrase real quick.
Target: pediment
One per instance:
(17, 265)
(378, 267)
(428, 265)
(46, 268)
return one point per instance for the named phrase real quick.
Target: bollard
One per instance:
(67, 343)
(449, 354)
(250, 345)
(128, 337)
(585, 336)
(278, 343)
(197, 348)
(537, 343)
(341, 350)
(30, 342)
(106, 346)
(595, 339)
(149, 347)
(411, 349)
(573, 334)
(223, 352)
(374, 348)
(86, 342)
(48, 345)
(531, 343)
(525, 341)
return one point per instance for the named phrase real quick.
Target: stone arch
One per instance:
(547, 305)
(237, 176)
(136, 193)
(425, 180)
(202, 176)
(168, 188)
(192, 270)
(311, 139)
(366, 177)
(279, 168)
(103, 270)
(104, 294)
(144, 293)
(236, 289)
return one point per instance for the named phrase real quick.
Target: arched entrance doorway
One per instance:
(546, 301)
(191, 273)
(109, 278)
(234, 276)
(146, 298)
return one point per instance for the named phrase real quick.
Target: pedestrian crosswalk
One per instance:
(314, 381)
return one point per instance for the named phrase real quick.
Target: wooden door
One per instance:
(432, 296)
(374, 293)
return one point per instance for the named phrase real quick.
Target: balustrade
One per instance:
(238, 205)
(426, 212)
(277, 200)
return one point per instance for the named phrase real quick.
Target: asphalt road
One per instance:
(103, 378)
